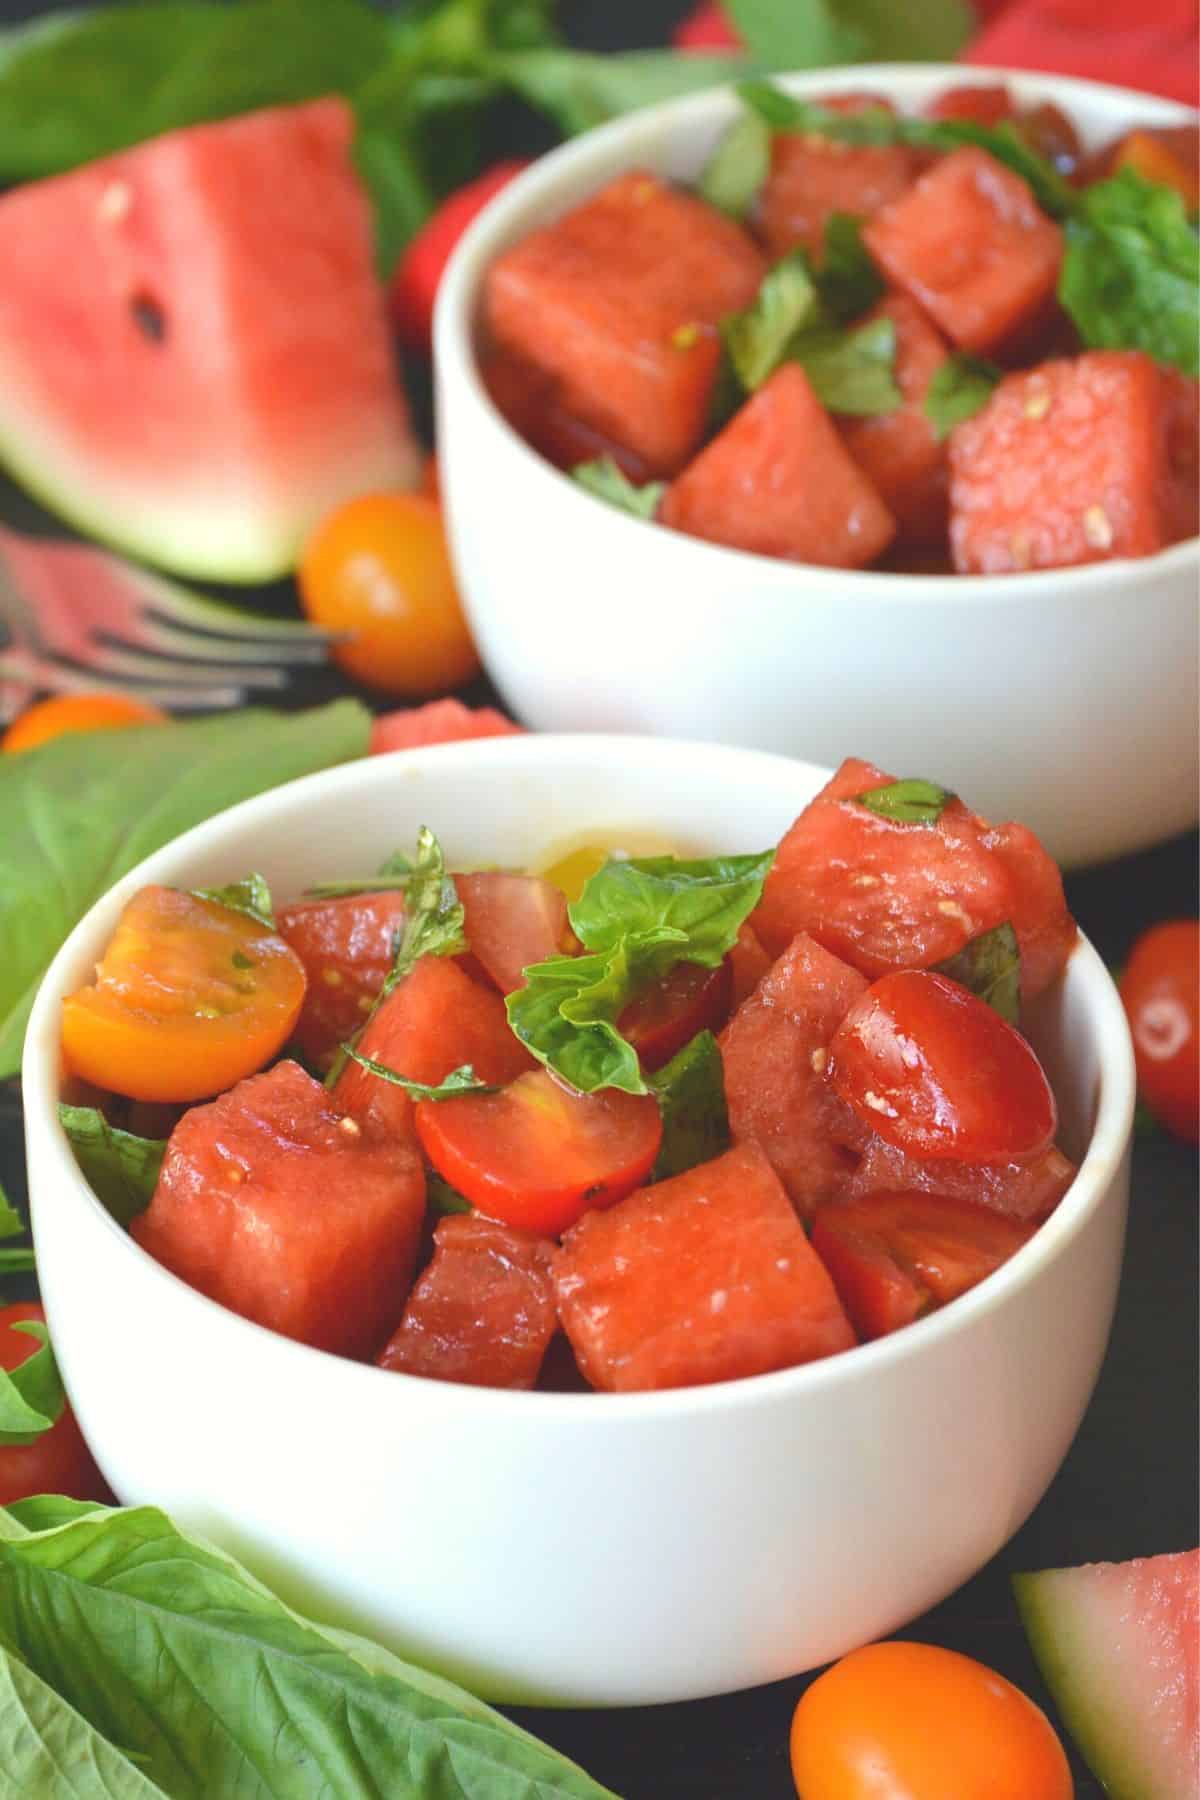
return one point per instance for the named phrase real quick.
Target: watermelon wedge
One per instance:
(194, 353)
(1119, 1647)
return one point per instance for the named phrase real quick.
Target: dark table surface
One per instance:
(1130, 1484)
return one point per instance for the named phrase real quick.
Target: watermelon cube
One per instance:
(774, 1052)
(437, 722)
(811, 177)
(483, 1311)
(779, 480)
(433, 1021)
(971, 244)
(748, 963)
(900, 450)
(532, 400)
(884, 895)
(1079, 460)
(345, 945)
(705, 1277)
(275, 1204)
(223, 377)
(1025, 1191)
(618, 302)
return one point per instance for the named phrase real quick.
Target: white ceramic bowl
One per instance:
(1068, 697)
(582, 1548)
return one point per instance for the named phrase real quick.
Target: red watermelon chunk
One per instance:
(531, 399)
(346, 946)
(1119, 1647)
(774, 1055)
(811, 177)
(433, 1021)
(900, 450)
(512, 921)
(223, 376)
(779, 480)
(1079, 460)
(971, 244)
(748, 963)
(483, 1311)
(705, 1277)
(275, 1204)
(884, 895)
(437, 722)
(618, 302)
(1022, 1190)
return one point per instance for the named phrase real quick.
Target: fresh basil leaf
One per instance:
(78, 812)
(11, 1222)
(990, 966)
(690, 1091)
(462, 1080)
(251, 896)
(31, 1395)
(808, 34)
(702, 902)
(19, 1261)
(401, 193)
(848, 281)
(908, 30)
(851, 371)
(579, 89)
(757, 338)
(50, 1750)
(441, 1199)
(913, 802)
(608, 481)
(738, 167)
(392, 876)
(1131, 275)
(166, 1645)
(120, 1168)
(566, 1016)
(960, 388)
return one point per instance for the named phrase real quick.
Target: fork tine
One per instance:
(179, 640)
(117, 660)
(34, 674)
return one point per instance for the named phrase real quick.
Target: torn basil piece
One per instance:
(607, 480)
(913, 802)
(462, 1080)
(31, 1395)
(738, 167)
(960, 388)
(852, 371)
(120, 1168)
(392, 876)
(690, 1091)
(251, 896)
(990, 966)
(756, 339)
(850, 283)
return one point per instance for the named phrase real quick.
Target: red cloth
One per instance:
(1149, 44)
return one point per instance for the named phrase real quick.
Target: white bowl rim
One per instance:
(457, 307)
(1098, 1170)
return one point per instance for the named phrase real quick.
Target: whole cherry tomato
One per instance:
(378, 569)
(1161, 992)
(901, 1721)
(418, 274)
(59, 1462)
(189, 997)
(77, 712)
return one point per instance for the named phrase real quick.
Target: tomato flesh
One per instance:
(190, 997)
(538, 1155)
(936, 1072)
(668, 1014)
(347, 947)
(1160, 990)
(512, 921)
(59, 1462)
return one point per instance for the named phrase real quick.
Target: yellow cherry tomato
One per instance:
(77, 712)
(901, 1721)
(378, 569)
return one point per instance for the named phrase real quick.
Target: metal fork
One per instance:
(75, 619)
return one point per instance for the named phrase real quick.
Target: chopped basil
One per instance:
(790, 321)
(848, 280)
(462, 1080)
(690, 1091)
(738, 167)
(913, 802)
(392, 876)
(251, 896)
(990, 965)
(960, 388)
(810, 34)
(441, 1199)
(608, 481)
(851, 371)
(11, 1222)
(1131, 275)
(31, 1395)
(121, 1168)
(756, 339)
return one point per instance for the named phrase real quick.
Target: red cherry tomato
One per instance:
(414, 284)
(59, 1462)
(538, 1155)
(979, 105)
(939, 1073)
(912, 1722)
(706, 28)
(1161, 992)
(668, 1014)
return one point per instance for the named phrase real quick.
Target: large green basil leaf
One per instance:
(48, 1751)
(1131, 275)
(704, 900)
(120, 1168)
(31, 1395)
(807, 34)
(169, 1648)
(77, 813)
(578, 89)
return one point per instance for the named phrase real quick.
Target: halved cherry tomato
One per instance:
(418, 274)
(538, 1155)
(190, 997)
(1161, 992)
(1167, 155)
(669, 1013)
(980, 105)
(937, 1072)
(895, 1256)
(59, 1462)
(512, 921)
(378, 569)
(67, 713)
(901, 1721)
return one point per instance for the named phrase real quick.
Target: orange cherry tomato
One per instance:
(378, 569)
(59, 1462)
(77, 712)
(190, 997)
(902, 1721)
(1161, 992)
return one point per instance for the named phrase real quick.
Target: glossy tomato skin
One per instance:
(378, 570)
(418, 274)
(66, 714)
(900, 1721)
(668, 1014)
(938, 1073)
(1160, 989)
(59, 1462)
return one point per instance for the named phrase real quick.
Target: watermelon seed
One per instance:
(148, 316)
